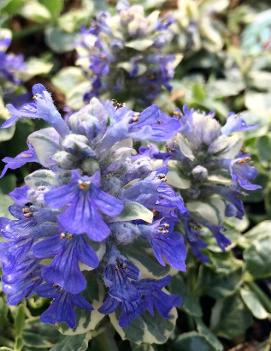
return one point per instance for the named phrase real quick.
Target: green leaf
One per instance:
(260, 230)
(53, 6)
(253, 303)
(212, 339)
(8, 183)
(58, 40)
(258, 257)
(36, 66)
(5, 202)
(73, 20)
(134, 210)
(19, 319)
(46, 144)
(264, 147)
(205, 211)
(6, 133)
(220, 285)
(139, 44)
(72, 343)
(37, 334)
(86, 321)
(230, 317)
(34, 11)
(192, 342)
(191, 304)
(41, 177)
(147, 328)
(67, 78)
(198, 92)
(176, 180)
(147, 264)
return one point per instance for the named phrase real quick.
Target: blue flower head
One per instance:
(11, 65)
(94, 195)
(125, 53)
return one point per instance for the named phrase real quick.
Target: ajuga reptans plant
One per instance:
(111, 180)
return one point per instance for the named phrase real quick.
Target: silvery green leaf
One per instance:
(41, 177)
(72, 343)
(74, 19)
(259, 103)
(226, 146)
(75, 96)
(230, 318)
(192, 341)
(86, 322)
(224, 88)
(139, 44)
(35, 11)
(36, 66)
(260, 79)
(205, 211)
(147, 328)
(261, 229)
(37, 333)
(258, 257)
(253, 303)
(184, 146)
(5, 202)
(7, 133)
(46, 144)
(138, 252)
(67, 78)
(128, 67)
(58, 40)
(4, 114)
(176, 180)
(54, 7)
(132, 211)
(219, 284)
(209, 335)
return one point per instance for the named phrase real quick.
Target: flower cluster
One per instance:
(124, 54)
(206, 163)
(10, 64)
(107, 185)
(94, 196)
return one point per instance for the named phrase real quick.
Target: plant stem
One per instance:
(27, 31)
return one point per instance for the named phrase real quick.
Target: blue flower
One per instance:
(167, 245)
(120, 66)
(196, 243)
(20, 160)
(67, 252)
(242, 173)
(154, 193)
(122, 295)
(84, 203)
(153, 298)
(43, 107)
(62, 307)
(235, 123)
(10, 64)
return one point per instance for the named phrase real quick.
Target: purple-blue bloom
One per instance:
(124, 53)
(62, 308)
(20, 160)
(84, 205)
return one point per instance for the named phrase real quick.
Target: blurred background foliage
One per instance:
(225, 46)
